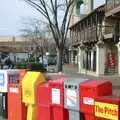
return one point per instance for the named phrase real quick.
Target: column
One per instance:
(69, 56)
(92, 58)
(100, 58)
(80, 59)
(118, 46)
(72, 56)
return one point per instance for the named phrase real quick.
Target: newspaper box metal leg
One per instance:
(4, 106)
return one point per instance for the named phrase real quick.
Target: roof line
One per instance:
(95, 10)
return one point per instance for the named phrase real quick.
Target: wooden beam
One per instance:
(113, 11)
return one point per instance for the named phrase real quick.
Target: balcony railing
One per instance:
(87, 35)
(91, 34)
(82, 36)
(111, 4)
(94, 34)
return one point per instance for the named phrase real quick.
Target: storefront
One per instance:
(98, 46)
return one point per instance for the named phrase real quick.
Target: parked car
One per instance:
(52, 60)
(47, 60)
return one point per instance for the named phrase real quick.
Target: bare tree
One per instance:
(58, 14)
(33, 32)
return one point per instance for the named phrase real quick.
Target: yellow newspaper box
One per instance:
(29, 82)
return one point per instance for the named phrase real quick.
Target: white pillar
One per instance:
(69, 56)
(118, 46)
(80, 59)
(76, 56)
(92, 58)
(100, 59)
(72, 56)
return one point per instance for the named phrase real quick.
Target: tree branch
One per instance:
(67, 27)
(44, 8)
(51, 26)
(66, 13)
(37, 7)
(65, 21)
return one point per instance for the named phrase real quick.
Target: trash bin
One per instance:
(91, 90)
(57, 99)
(72, 99)
(15, 97)
(107, 108)
(43, 107)
(29, 82)
(4, 76)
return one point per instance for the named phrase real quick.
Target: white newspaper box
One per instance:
(72, 98)
(5, 76)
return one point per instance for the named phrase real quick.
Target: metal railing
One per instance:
(91, 34)
(88, 34)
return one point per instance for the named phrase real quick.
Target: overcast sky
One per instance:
(12, 12)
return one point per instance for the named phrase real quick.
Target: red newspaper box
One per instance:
(107, 108)
(43, 108)
(57, 100)
(89, 91)
(16, 109)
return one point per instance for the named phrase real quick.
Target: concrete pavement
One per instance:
(72, 72)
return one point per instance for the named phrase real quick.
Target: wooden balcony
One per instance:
(94, 34)
(86, 35)
(90, 34)
(82, 37)
(109, 33)
(112, 8)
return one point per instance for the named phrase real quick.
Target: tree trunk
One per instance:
(67, 55)
(59, 60)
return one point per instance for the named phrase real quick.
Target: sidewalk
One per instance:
(72, 72)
